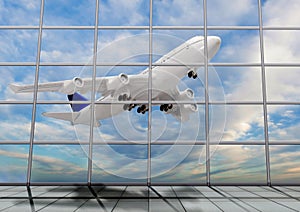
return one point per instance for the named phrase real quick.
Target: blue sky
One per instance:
(242, 123)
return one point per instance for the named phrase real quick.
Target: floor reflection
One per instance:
(153, 198)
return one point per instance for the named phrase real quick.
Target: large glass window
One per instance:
(96, 92)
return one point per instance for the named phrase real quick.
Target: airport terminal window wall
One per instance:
(244, 132)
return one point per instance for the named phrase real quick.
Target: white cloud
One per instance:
(232, 12)
(49, 165)
(176, 12)
(283, 84)
(281, 13)
(123, 12)
(24, 12)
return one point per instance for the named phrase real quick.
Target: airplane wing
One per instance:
(103, 85)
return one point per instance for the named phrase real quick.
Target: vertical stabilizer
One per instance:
(77, 97)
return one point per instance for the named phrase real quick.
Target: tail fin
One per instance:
(77, 97)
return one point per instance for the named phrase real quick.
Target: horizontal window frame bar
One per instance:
(165, 143)
(156, 103)
(144, 27)
(141, 184)
(113, 64)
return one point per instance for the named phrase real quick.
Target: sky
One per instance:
(238, 123)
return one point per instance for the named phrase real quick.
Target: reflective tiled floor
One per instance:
(155, 198)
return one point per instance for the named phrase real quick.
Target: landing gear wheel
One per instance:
(195, 76)
(161, 108)
(190, 74)
(126, 107)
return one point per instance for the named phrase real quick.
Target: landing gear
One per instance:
(124, 97)
(192, 74)
(142, 109)
(166, 107)
(128, 107)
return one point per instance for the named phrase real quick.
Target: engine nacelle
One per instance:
(190, 107)
(71, 86)
(117, 82)
(187, 94)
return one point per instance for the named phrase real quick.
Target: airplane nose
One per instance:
(214, 39)
(213, 45)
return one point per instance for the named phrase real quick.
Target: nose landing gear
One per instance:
(192, 74)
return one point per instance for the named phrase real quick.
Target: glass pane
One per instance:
(243, 123)
(15, 122)
(170, 49)
(118, 125)
(15, 75)
(165, 41)
(19, 12)
(237, 46)
(238, 84)
(284, 122)
(49, 127)
(13, 160)
(66, 12)
(283, 84)
(59, 163)
(280, 13)
(182, 123)
(67, 46)
(285, 163)
(178, 12)
(232, 12)
(282, 46)
(119, 163)
(18, 45)
(122, 12)
(238, 164)
(120, 46)
(178, 164)
(48, 74)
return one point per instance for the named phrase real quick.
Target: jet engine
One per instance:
(71, 86)
(117, 82)
(187, 94)
(190, 107)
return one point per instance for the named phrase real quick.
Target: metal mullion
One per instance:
(33, 115)
(46, 102)
(92, 106)
(183, 142)
(163, 27)
(206, 95)
(123, 27)
(280, 28)
(264, 92)
(90, 64)
(68, 27)
(17, 63)
(217, 64)
(19, 27)
(149, 95)
(208, 27)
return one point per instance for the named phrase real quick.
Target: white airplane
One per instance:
(134, 87)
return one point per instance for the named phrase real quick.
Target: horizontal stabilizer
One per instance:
(70, 117)
(63, 116)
